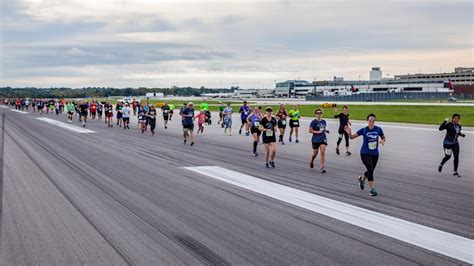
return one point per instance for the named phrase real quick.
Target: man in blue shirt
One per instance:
(369, 151)
(244, 114)
(188, 123)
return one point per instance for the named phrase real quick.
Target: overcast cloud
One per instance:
(149, 43)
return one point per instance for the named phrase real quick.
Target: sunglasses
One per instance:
(318, 113)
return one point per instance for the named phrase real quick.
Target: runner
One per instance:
(201, 120)
(343, 122)
(254, 120)
(227, 121)
(268, 125)
(134, 107)
(126, 116)
(281, 116)
(100, 110)
(185, 105)
(294, 121)
(141, 118)
(151, 118)
(204, 106)
(188, 123)
(83, 107)
(70, 111)
(450, 142)
(109, 114)
(319, 139)
(93, 109)
(171, 111)
(244, 113)
(166, 110)
(221, 114)
(369, 151)
(40, 106)
(118, 109)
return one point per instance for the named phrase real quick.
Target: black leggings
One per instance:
(370, 161)
(451, 149)
(346, 137)
(152, 123)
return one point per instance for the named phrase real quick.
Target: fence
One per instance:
(380, 97)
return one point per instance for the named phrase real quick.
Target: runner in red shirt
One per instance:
(93, 109)
(201, 120)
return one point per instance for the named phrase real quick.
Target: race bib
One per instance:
(245, 113)
(283, 122)
(152, 116)
(448, 152)
(256, 123)
(296, 123)
(269, 133)
(166, 111)
(372, 145)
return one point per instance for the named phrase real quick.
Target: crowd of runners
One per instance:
(262, 125)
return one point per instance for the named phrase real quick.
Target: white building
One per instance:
(460, 76)
(375, 74)
(293, 88)
(151, 95)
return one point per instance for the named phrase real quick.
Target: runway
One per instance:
(118, 197)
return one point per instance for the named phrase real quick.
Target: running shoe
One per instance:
(289, 139)
(282, 143)
(267, 165)
(247, 134)
(348, 153)
(192, 143)
(456, 174)
(373, 192)
(297, 141)
(254, 154)
(337, 151)
(272, 164)
(143, 131)
(311, 165)
(240, 132)
(322, 171)
(440, 168)
(184, 142)
(361, 183)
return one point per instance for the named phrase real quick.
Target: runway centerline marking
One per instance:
(65, 126)
(435, 240)
(18, 111)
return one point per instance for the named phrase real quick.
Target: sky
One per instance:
(250, 44)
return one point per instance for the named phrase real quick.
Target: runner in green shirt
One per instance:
(171, 110)
(204, 106)
(294, 121)
(221, 114)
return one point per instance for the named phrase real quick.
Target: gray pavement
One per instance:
(121, 197)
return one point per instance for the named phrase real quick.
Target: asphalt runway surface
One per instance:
(120, 197)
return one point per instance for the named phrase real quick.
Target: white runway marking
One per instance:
(65, 126)
(18, 111)
(441, 242)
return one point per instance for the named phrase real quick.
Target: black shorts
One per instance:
(244, 121)
(126, 119)
(188, 127)
(84, 113)
(267, 140)
(221, 114)
(254, 130)
(166, 117)
(70, 113)
(281, 125)
(294, 123)
(317, 144)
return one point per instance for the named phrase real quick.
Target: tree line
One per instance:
(96, 92)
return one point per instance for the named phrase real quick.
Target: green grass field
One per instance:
(402, 114)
